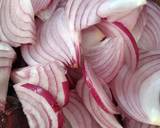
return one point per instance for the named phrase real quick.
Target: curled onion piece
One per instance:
(17, 22)
(50, 77)
(149, 33)
(39, 5)
(38, 103)
(118, 30)
(137, 92)
(131, 48)
(97, 90)
(103, 118)
(76, 113)
(100, 51)
(83, 13)
(130, 123)
(7, 55)
(53, 44)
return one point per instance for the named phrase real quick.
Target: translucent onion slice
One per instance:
(50, 77)
(38, 103)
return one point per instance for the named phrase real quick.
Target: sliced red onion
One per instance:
(53, 44)
(130, 123)
(137, 92)
(39, 5)
(115, 10)
(104, 119)
(149, 36)
(131, 49)
(7, 55)
(97, 90)
(132, 16)
(76, 113)
(17, 22)
(101, 55)
(50, 77)
(83, 14)
(38, 103)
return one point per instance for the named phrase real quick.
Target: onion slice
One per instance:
(17, 22)
(76, 113)
(103, 118)
(97, 91)
(53, 45)
(38, 103)
(50, 77)
(149, 36)
(137, 92)
(100, 51)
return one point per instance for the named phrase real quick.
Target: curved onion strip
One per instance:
(132, 16)
(104, 119)
(53, 44)
(118, 30)
(130, 123)
(150, 36)
(101, 55)
(76, 113)
(131, 49)
(50, 77)
(114, 10)
(7, 55)
(96, 88)
(137, 93)
(32, 96)
(83, 14)
(39, 5)
(17, 22)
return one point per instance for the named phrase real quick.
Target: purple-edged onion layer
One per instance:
(103, 118)
(99, 48)
(39, 106)
(96, 89)
(83, 13)
(50, 77)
